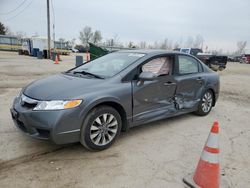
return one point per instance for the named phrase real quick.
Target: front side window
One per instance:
(188, 65)
(158, 66)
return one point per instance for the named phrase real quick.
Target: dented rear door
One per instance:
(191, 82)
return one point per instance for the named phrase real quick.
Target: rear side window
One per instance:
(188, 65)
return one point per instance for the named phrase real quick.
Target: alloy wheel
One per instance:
(103, 129)
(207, 101)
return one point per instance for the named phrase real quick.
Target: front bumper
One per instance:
(59, 126)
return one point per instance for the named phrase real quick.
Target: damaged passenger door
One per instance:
(153, 91)
(190, 82)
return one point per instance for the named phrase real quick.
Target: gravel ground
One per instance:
(158, 154)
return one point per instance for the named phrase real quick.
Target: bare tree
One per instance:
(86, 34)
(131, 45)
(217, 52)
(180, 42)
(176, 45)
(241, 47)
(8, 31)
(150, 46)
(20, 34)
(142, 45)
(109, 42)
(189, 42)
(97, 37)
(170, 45)
(156, 45)
(114, 41)
(164, 44)
(72, 43)
(198, 42)
(62, 40)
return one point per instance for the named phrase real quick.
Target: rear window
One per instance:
(185, 50)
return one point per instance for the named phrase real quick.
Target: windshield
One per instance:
(109, 65)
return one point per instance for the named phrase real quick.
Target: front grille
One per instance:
(21, 126)
(39, 133)
(43, 133)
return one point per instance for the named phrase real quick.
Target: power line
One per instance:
(20, 11)
(5, 13)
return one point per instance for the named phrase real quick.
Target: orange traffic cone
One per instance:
(207, 174)
(56, 60)
(87, 56)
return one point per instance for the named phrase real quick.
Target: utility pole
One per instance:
(48, 26)
(54, 36)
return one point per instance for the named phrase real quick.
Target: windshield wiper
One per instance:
(87, 73)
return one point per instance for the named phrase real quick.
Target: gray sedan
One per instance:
(94, 102)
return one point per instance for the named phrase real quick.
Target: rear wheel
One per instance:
(100, 128)
(206, 104)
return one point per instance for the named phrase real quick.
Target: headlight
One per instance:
(57, 105)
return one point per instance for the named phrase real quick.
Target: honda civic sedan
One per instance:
(94, 102)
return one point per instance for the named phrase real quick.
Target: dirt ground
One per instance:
(158, 154)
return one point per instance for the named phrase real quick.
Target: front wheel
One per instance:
(206, 104)
(100, 128)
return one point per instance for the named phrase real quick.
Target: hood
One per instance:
(61, 87)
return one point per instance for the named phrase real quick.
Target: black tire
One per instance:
(90, 122)
(201, 109)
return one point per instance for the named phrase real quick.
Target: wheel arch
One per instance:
(117, 106)
(213, 93)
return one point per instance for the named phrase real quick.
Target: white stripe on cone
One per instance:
(210, 157)
(213, 140)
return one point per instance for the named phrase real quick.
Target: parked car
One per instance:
(94, 102)
(191, 51)
(234, 58)
(81, 48)
(74, 50)
(245, 59)
(215, 62)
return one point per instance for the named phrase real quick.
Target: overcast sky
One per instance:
(221, 22)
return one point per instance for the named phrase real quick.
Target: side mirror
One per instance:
(147, 76)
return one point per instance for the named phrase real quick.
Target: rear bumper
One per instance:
(59, 126)
(217, 67)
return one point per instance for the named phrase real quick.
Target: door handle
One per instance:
(199, 80)
(169, 83)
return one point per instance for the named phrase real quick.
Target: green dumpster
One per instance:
(96, 51)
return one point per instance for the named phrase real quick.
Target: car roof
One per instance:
(150, 51)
